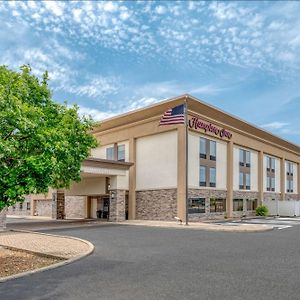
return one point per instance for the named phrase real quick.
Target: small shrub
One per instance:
(262, 210)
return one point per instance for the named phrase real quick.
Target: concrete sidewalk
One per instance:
(202, 226)
(58, 246)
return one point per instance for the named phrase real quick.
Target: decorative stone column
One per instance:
(229, 198)
(58, 205)
(117, 205)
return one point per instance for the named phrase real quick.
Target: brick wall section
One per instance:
(43, 208)
(156, 204)
(244, 195)
(291, 197)
(207, 194)
(18, 211)
(75, 207)
(3, 213)
(270, 196)
(117, 206)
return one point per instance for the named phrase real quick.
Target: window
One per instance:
(202, 176)
(289, 177)
(110, 153)
(196, 205)
(241, 181)
(268, 183)
(213, 150)
(244, 158)
(251, 204)
(241, 157)
(121, 152)
(247, 179)
(14, 207)
(217, 205)
(237, 204)
(212, 177)
(273, 184)
(203, 148)
(28, 206)
(21, 205)
(247, 157)
(272, 164)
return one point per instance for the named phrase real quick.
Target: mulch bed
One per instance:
(17, 261)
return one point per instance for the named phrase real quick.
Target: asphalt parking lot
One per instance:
(131, 262)
(276, 222)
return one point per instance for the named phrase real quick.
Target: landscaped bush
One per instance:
(262, 210)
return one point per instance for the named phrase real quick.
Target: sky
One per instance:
(113, 57)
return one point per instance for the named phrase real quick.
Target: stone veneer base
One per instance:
(156, 204)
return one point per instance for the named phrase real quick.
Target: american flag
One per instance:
(173, 115)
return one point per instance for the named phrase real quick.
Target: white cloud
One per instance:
(96, 114)
(160, 9)
(57, 8)
(275, 125)
(110, 6)
(96, 87)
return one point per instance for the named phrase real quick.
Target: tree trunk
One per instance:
(3, 219)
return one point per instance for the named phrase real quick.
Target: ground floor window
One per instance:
(196, 205)
(251, 204)
(217, 205)
(237, 204)
(28, 206)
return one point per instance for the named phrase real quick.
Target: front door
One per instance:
(105, 207)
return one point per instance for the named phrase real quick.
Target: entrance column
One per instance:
(117, 205)
(229, 200)
(181, 174)
(58, 205)
(132, 180)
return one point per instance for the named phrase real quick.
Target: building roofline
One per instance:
(196, 101)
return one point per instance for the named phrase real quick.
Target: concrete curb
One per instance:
(53, 266)
(214, 228)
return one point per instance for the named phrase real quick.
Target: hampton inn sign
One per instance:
(196, 123)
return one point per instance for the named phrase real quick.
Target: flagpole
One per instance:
(186, 163)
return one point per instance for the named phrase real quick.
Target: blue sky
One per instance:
(112, 57)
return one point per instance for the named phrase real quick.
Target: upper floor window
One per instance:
(244, 181)
(212, 177)
(289, 177)
(202, 176)
(244, 158)
(271, 164)
(208, 149)
(208, 176)
(203, 148)
(212, 150)
(121, 152)
(110, 153)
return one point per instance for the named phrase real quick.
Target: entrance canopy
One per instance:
(104, 167)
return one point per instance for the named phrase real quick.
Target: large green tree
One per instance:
(42, 143)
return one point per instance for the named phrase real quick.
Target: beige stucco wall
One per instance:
(156, 154)
(88, 186)
(221, 165)
(194, 145)
(254, 171)
(296, 176)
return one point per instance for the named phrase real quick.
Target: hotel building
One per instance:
(139, 169)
